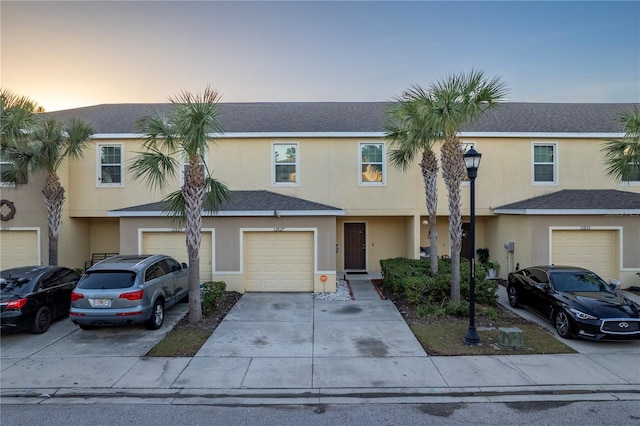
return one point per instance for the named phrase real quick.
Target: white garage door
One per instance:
(174, 244)
(596, 250)
(19, 248)
(278, 261)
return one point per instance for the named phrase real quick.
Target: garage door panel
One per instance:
(595, 250)
(278, 261)
(174, 244)
(18, 248)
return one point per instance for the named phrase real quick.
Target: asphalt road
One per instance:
(522, 413)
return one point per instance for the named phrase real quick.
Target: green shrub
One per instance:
(410, 278)
(458, 309)
(212, 293)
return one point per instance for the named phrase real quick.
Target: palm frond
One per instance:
(622, 157)
(78, 133)
(217, 194)
(175, 207)
(154, 166)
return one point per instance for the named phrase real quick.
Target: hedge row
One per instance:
(411, 278)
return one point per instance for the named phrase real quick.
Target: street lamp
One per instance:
(472, 162)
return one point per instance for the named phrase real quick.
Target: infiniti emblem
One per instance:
(623, 324)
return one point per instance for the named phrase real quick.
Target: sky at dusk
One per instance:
(72, 54)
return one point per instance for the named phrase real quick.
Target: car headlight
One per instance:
(582, 315)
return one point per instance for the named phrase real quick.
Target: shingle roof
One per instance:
(246, 203)
(327, 117)
(595, 201)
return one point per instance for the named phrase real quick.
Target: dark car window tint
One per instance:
(172, 265)
(579, 281)
(49, 280)
(107, 280)
(538, 275)
(15, 285)
(154, 271)
(68, 276)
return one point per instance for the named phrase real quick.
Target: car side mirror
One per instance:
(184, 266)
(543, 286)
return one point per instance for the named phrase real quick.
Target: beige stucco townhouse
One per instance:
(314, 195)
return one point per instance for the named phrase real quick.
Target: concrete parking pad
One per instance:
(272, 307)
(365, 338)
(377, 310)
(260, 339)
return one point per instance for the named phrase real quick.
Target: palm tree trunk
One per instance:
(53, 199)
(453, 172)
(429, 167)
(194, 193)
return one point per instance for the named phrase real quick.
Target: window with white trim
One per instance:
(110, 164)
(372, 168)
(633, 175)
(544, 171)
(285, 164)
(5, 182)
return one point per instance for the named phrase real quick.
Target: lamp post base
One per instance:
(472, 338)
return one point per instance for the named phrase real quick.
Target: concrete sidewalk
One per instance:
(292, 349)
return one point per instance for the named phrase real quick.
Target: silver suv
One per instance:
(129, 289)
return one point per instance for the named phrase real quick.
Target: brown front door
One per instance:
(355, 246)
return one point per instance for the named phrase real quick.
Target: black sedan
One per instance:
(33, 296)
(576, 301)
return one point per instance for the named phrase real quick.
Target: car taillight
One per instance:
(134, 295)
(16, 304)
(76, 296)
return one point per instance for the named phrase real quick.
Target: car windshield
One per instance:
(107, 280)
(14, 285)
(578, 281)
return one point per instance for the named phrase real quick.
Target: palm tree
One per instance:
(622, 157)
(409, 130)
(459, 100)
(32, 145)
(437, 116)
(17, 122)
(186, 134)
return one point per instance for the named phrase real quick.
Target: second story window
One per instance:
(110, 165)
(372, 167)
(544, 164)
(633, 177)
(285, 164)
(6, 169)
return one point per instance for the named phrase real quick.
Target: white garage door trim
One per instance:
(142, 231)
(619, 230)
(37, 249)
(314, 232)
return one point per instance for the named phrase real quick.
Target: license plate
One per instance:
(102, 303)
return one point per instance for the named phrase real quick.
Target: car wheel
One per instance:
(514, 300)
(42, 321)
(157, 316)
(87, 327)
(563, 325)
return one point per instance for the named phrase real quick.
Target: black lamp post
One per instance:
(472, 162)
